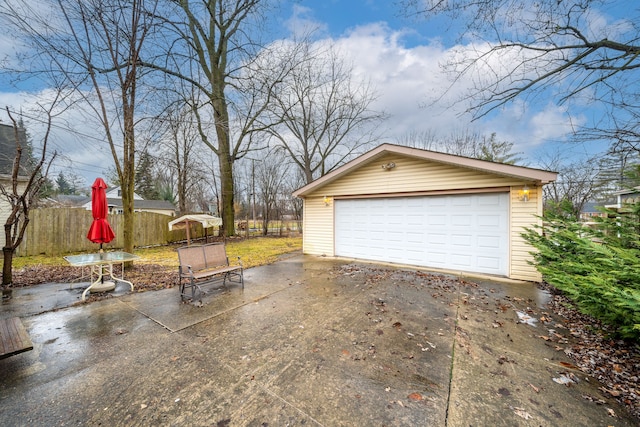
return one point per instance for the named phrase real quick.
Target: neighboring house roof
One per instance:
(593, 207)
(536, 176)
(115, 192)
(634, 190)
(113, 201)
(66, 200)
(143, 204)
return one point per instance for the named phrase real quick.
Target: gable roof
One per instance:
(537, 176)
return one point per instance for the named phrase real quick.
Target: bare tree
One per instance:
(94, 46)
(181, 153)
(21, 189)
(270, 178)
(324, 111)
(464, 143)
(567, 49)
(213, 47)
(576, 185)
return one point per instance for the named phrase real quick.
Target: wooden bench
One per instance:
(13, 337)
(205, 264)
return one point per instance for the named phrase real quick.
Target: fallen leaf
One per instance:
(614, 393)
(415, 396)
(564, 380)
(522, 413)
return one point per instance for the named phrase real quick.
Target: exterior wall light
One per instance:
(388, 166)
(524, 194)
(326, 200)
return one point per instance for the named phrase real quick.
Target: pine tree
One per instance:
(145, 180)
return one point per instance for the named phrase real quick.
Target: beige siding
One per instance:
(317, 238)
(5, 206)
(523, 215)
(411, 175)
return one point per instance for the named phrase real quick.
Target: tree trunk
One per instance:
(226, 184)
(7, 263)
(128, 178)
(225, 158)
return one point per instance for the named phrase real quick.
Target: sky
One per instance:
(401, 58)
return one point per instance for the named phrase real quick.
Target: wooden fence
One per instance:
(58, 231)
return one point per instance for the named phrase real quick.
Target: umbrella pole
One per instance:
(101, 268)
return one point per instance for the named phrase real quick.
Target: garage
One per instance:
(409, 206)
(457, 232)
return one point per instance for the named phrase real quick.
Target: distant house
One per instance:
(114, 201)
(7, 155)
(592, 210)
(626, 197)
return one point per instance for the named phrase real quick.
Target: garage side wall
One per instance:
(318, 217)
(524, 215)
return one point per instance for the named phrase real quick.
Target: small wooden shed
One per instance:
(410, 206)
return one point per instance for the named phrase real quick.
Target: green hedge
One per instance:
(597, 268)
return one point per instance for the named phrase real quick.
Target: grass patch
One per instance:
(253, 252)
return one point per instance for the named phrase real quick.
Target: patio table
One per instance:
(102, 265)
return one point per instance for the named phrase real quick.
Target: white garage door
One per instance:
(458, 232)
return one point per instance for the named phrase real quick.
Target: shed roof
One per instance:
(204, 219)
(537, 176)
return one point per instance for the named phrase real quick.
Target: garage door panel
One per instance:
(463, 240)
(489, 242)
(489, 220)
(461, 232)
(488, 263)
(462, 261)
(458, 220)
(436, 220)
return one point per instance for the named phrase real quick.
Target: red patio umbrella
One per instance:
(100, 230)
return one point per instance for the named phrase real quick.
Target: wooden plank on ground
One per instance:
(14, 338)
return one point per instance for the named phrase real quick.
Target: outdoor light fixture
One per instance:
(326, 200)
(524, 194)
(388, 166)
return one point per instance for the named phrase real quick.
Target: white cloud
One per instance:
(418, 95)
(302, 23)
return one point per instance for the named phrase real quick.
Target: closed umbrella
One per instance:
(100, 230)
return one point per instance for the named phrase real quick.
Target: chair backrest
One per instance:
(215, 255)
(193, 256)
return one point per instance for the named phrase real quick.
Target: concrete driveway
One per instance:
(310, 341)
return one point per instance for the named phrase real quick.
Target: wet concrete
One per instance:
(310, 341)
